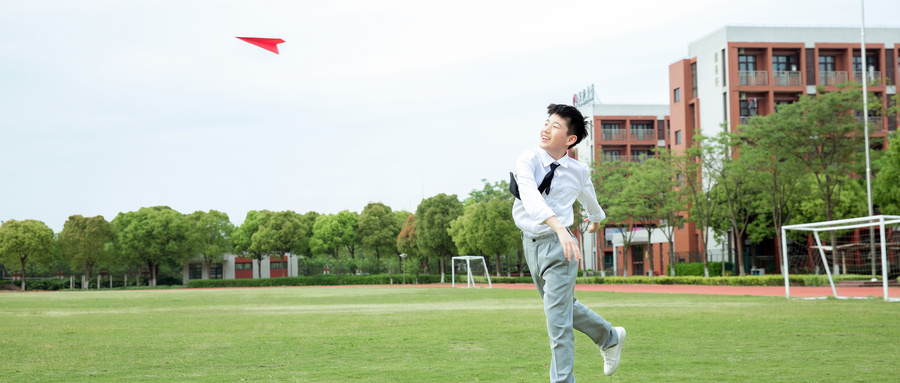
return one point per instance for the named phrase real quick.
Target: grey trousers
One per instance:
(554, 277)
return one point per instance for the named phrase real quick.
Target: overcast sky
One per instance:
(110, 106)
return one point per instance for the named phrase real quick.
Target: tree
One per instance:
(778, 175)
(489, 228)
(87, 242)
(24, 241)
(308, 220)
(497, 190)
(885, 192)
(623, 210)
(433, 217)
(406, 240)
(211, 232)
(825, 136)
(461, 229)
(242, 237)
(280, 233)
(735, 188)
(333, 232)
(657, 183)
(154, 236)
(694, 166)
(378, 228)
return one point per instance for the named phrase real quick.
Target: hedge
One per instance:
(383, 279)
(696, 269)
(316, 280)
(760, 280)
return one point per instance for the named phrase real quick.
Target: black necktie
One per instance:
(545, 184)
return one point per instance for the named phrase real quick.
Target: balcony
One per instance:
(642, 135)
(610, 157)
(753, 77)
(612, 134)
(832, 78)
(786, 78)
(874, 77)
(641, 156)
(876, 123)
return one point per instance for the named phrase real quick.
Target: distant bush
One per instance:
(316, 280)
(754, 280)
(696, 269)
(462, 279)
(40, 284)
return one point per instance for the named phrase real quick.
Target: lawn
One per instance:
(432, 334)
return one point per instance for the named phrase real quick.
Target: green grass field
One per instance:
(433, 334)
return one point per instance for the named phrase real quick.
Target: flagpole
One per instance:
(865, 97)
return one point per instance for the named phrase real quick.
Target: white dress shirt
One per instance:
(571, 181)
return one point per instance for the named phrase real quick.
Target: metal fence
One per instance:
(753, 77)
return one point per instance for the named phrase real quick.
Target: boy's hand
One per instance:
(569, 245)
(594, 227)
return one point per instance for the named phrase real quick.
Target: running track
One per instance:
(769, 291)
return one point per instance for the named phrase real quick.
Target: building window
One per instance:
(608, 259)
(677, 94)
(746, 63)
(276, 265)
(243, 266)
(749, 107)
(610, 155)
(826, 63)
(693, 80)
(784, 63)
(608, 236)
(195, 271)
(870, 63)
(782, 102)
(611, 132)
(215, 271)
(641, 131)
(677, 137)
(640, 155)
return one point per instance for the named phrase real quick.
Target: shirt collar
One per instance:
(546, 160)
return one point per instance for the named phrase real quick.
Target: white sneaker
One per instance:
(612, 355)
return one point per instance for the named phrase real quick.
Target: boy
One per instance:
(544, 214)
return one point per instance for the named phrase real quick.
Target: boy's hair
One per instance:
(574, 120)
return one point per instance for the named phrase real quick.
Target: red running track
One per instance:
(769, 291)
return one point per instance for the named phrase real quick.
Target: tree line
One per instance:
(795, 166)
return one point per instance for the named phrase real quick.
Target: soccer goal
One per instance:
(470, 280)
(863, 246)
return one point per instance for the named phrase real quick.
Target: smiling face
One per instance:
(555, 137)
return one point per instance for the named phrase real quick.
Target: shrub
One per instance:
(40, 284)
(696, 268)
(483, 280)
(755, 280)
(316, 280)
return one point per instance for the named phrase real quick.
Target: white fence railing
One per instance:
(753, 77)
(786, 78)
(831, 78)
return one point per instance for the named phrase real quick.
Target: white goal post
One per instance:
(879, 221)
(470, 281)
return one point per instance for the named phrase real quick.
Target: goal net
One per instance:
(471, 265)
(858, 252)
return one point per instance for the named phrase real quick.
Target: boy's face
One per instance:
(555, 136)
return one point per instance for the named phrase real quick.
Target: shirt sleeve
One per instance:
(588, 198)
(534, 204)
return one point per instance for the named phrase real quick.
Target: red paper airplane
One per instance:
(267, 44)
